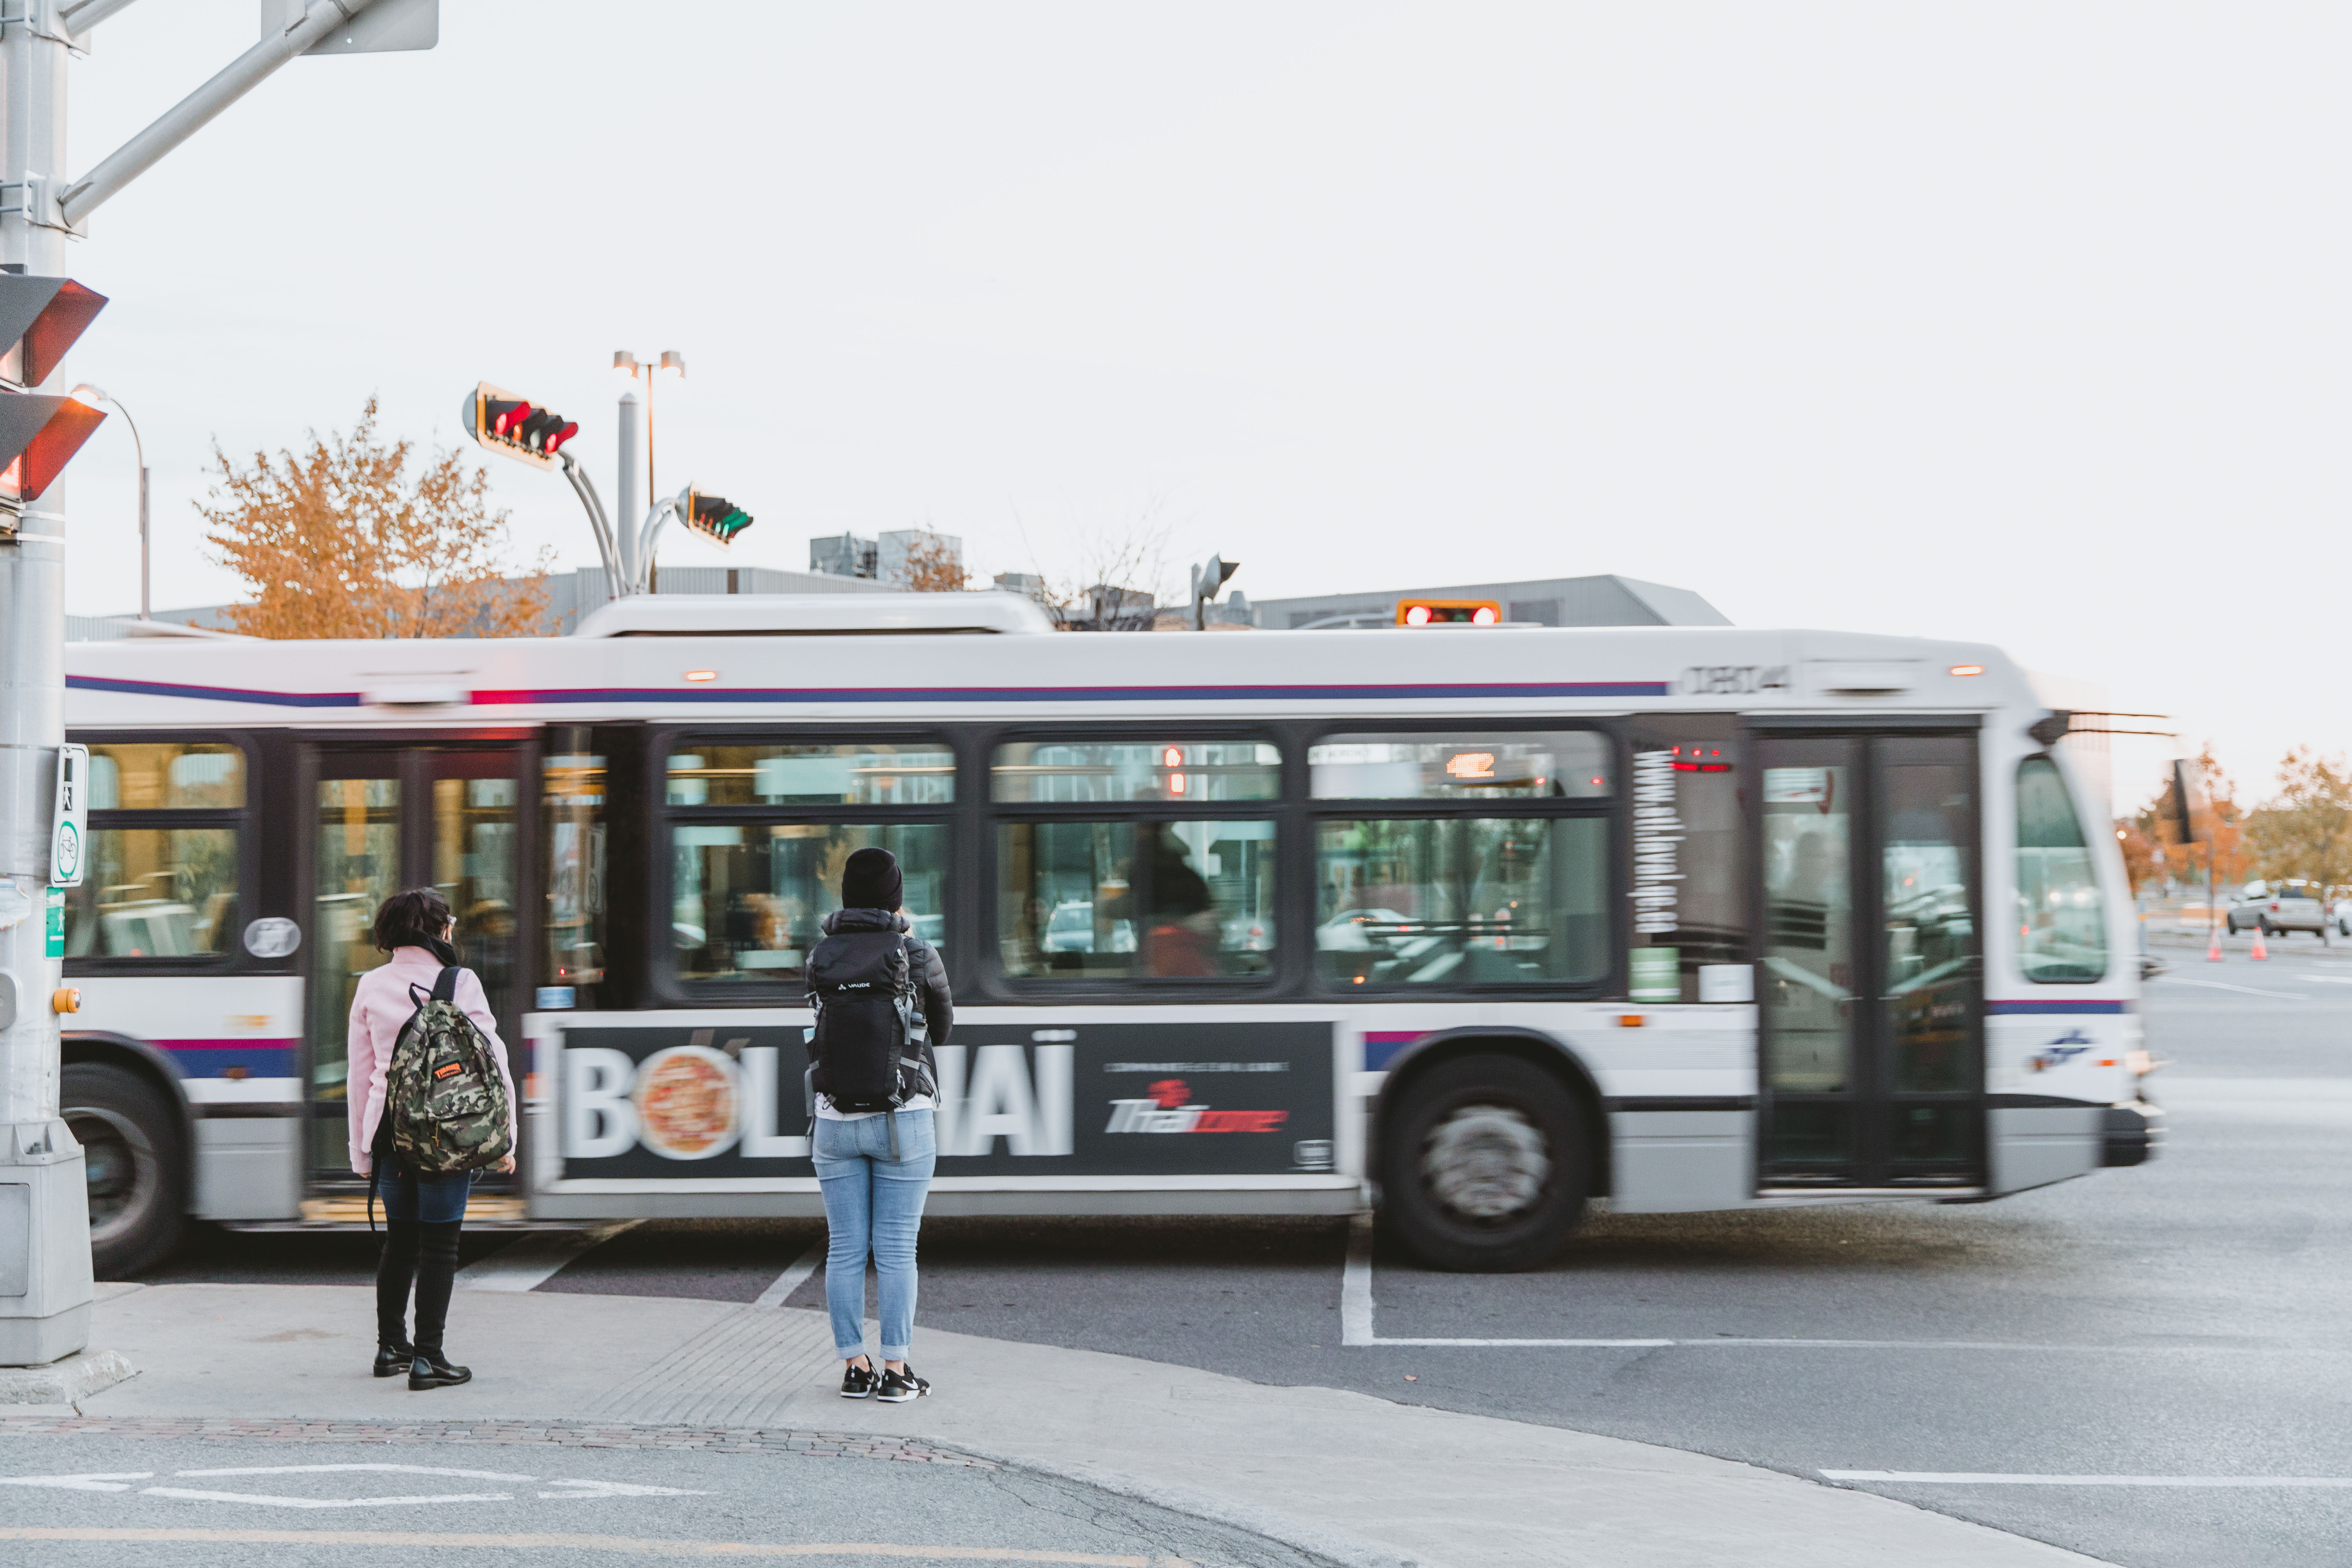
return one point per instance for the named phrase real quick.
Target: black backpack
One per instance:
(862, 1053)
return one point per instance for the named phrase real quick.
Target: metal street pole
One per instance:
(38, 1156)
(44, 1204)
(625, 524)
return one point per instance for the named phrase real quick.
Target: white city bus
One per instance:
(1481, 926)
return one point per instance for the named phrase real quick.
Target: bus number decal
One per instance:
(1732, 679)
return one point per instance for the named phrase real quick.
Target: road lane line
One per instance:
(792, 1278)
(1997, 1479)
(628, 1545)
(529, 1261)
(346, 1469)
(265, 1499)
(1356, 1285)
(2247, 990)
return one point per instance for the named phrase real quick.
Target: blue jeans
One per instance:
(431, 1200)
(872, 1204)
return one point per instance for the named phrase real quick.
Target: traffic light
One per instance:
(40, 318)
(715, 517)
(503, 422)
(1448, 613)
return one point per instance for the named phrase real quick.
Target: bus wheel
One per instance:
(1484, 1167)
(135, 1157)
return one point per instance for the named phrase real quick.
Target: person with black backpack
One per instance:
(432, 1107)
(881, 1000)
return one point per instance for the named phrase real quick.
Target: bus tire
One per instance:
(135, 1156)
(1484, 1167)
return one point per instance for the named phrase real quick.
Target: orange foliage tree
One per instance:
(336, 542)
(2227, 846)
(934, 567)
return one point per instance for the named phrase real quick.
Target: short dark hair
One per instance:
(413, 919)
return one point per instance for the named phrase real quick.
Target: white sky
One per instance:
(2017, 321)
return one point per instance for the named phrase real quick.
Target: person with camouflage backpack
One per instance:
(432, 1107)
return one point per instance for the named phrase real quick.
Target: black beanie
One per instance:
(871, 881)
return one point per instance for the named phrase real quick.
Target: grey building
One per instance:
(1607, 600)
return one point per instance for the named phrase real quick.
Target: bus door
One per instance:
(449, 820)
(1870, 983)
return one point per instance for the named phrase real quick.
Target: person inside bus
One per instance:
(875, 1175)
(423, 1215)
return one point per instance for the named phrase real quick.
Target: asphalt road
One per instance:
(2181, 1319)
(126, 1502)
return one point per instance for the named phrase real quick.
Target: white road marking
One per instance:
(791, 1280)
(617, 1489)
(529, 1261)
(347, 1469)
(2247, 990)
(96, 1482)
(266, 1499)
(1997, 1479)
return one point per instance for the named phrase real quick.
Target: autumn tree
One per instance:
(935, 566)
(2307, 830)
(338, 541)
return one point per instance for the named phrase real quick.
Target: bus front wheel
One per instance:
(135, 1159)
(1484, 1166)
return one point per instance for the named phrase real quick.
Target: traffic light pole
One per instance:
(46, 1288)
(624, 520)
(598, 522)
(45, 1226)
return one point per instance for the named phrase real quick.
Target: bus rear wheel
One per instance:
(135, 1156)
(1484, 1167)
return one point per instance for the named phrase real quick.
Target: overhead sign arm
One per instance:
(193, 114)
(83, 15)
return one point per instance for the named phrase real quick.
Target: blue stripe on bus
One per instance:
(214, 693)
(2010, 1009)
(209, 1059)
(527, 697)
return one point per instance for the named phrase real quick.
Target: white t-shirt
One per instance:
(826, 1113)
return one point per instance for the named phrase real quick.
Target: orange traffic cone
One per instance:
(2260, 950)
(2212, 945)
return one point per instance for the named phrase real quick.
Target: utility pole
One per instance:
(44, 1207)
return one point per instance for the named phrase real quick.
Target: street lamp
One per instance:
(94, 396)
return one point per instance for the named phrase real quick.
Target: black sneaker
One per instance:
(858, 1381)
(897, 1387)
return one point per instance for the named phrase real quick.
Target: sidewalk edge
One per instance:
(1288, 1529)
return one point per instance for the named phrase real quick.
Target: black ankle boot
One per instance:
(430, 1369)
(391, 1360)
(437, 1276)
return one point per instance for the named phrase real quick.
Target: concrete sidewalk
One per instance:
(1351, 1477)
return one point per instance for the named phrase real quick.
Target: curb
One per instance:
(64, 1382)
(1341, 1549)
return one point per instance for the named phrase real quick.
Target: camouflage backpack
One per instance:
(443, 1091)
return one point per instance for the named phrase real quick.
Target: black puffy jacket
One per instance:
(923, 966)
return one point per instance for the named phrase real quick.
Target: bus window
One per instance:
(1458, 902)
(573, 801)
(1048, 772)
(177, 775)
(1139, 898)
(1572, 764)
(746, 899)
(160, 889)
(155, 892)
(2062, 922)
(706, 773)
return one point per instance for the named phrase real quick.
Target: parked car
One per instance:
(2277, 908)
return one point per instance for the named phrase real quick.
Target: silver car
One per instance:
(2277, 908)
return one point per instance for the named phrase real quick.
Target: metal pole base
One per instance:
(46, 1288)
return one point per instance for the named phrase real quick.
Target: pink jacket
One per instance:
(380, 1008)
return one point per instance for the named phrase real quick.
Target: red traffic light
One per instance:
(40, 434)
(523, 430)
